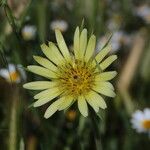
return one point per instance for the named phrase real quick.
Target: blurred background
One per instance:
(25, 25)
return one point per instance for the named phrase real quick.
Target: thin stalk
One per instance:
(13, 126)
(10, 19)
(15, 29)
(96, 131)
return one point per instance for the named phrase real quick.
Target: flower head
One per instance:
(28, 32)
(141, 120)
(77, 77)
(143, 11)
(11, 74)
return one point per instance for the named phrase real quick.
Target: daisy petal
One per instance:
(42, 71)
(39, 85)
(62, 45)
(97, 99)
(47, 92)
(99, 57)
(52, 54)
(105, 85)
(4, 73)
(138, 115)
(45, 63)
(45, 99)
(92, 103)
(106, 76)
(83, 43)
(147, 113)
(82, 105)
(52, 109)
(76, 45)
(67, 101)
(56, 53)
(90, 48)
(108, 61)
(104, 90)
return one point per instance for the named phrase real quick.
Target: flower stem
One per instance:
(15, 29)
(13, 125)
(96, 131)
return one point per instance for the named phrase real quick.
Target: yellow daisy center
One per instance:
(146, 124)
(77, 79)
(14, 76)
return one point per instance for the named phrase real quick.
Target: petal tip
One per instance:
(46, 116)
(24, 86)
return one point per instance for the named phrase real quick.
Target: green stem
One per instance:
(13, 131)
(15, 29)
(96, 130)
(10, 19)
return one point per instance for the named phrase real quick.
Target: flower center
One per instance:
(77, 79)
(146, 124)
(14, 76)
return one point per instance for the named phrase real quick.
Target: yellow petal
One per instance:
(45, 63)
(52, 55)
(39, 85)
(47, 92)
(106, 76)
(93, 105)
(56, 53)
(108, 61)
(105, 85)
(45, 99)
(62, 45)
(76, 44)
(104, 90)
(90, 48)
(99, 57)
(67, 101)
(82, 105)
(92, 102)
(83, 43)
(52, 109)
(97, 99)
(42, 71)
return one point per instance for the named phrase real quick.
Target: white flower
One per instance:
(141, 120)
(143, 11)
(28, 32)
(11, 74)
(59, 24)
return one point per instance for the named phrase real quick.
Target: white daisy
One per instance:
(28, 32)
(11, 74)
(141, 120)
(143, 11)
(59, 24)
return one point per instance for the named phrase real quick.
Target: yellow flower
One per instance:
(77, 77)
